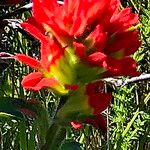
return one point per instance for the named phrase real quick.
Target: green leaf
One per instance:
(18, 108)
(70, 145)
(10, 107)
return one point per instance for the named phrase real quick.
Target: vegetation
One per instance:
(128, 117)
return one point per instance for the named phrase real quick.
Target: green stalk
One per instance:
(147, 99)
(23, 136)
(54, 138)
(130, 123)
(32, 141)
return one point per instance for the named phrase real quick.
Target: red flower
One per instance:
(96, 31)
(82, 41)
(114, 67)
(95, 35)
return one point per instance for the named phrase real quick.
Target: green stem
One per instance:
(130, 123)
(54, 138)
(22, 135)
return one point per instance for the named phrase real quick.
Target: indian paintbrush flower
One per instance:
(82, 41)
(104, 50)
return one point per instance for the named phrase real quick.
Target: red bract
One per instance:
(97, 98)
(114, 67)
(110, 52)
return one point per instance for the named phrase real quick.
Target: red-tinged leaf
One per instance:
(17, 107)
(9, 107)
(27, 112)
(28, 60)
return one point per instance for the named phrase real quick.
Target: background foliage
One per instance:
(128, 117)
